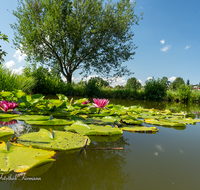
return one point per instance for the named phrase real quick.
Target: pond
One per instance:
(166, 160)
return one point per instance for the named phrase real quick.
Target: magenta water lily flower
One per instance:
(86, 102)
(100, 103)
(5, 105)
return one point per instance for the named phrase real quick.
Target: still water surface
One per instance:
(167, 160)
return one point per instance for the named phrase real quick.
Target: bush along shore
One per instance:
(42, 81)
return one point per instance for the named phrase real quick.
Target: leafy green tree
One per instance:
(155, 89)
(3, 53)
(188, 82)
(133, 83)
(184, 92)
(176, 83)
(166, 81)
(90, 35)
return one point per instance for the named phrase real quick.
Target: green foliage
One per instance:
(165, 80)
(46, 82)
(133, 83)
(10, 81)
(176, 83)
(155, 89)
(3, 53)
(184, 92)
(92, 88)
(91, 34)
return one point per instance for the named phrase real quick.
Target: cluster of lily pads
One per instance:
(66, 124)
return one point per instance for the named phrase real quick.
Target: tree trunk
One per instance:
(69, 78)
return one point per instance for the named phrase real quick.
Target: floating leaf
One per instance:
(51, 122)
(32, 118)
(20, 158)
(139, 129)
(5, 115)
(59, 141)
(5, 131)
(84, 129)
(165, 122)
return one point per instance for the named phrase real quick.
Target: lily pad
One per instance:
(165, 122)
(85, 129)
(20, 158)
(5, 115)
(57, 140)
(139, 129)
(32, 118)
(51, 122)
(5, 131)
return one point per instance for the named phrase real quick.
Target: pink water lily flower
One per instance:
(86, 102)
(100, 103)
(5, 105)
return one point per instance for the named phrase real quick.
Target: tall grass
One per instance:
(10, 81)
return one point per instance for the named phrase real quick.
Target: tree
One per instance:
(188, 82)
(133, 83)
(90, 35)
(155, 89)
(166, 81)
(3, 53)
(176, 83)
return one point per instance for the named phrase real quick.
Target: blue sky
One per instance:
(168, 40)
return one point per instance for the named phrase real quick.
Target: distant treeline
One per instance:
(42, 81)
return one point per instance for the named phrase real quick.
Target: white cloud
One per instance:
(118, 81)
(19, 56)
(171, 79)
(148, 78)
(167, 47)
(140, 81)
(10, 64)
(162, 41)
(18, 71)
(187, 47)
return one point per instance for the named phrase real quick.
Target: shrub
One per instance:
(92, 88)
(155, 89)
(184, 92)
(10, 81)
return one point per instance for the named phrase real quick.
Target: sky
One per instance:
(168, 40)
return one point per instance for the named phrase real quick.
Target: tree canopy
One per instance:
(90, 35)
(177, 83)
(2, 53)
(133, 83)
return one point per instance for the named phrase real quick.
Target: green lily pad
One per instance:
(165, 122)
(139, 129)
(57, 140)
(5, 115)
(32, 118)
(131, 122)
(85, 129)
(20, 158)
(5, 131)
(51, 122)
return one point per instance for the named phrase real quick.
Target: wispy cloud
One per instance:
(118, 81)
(162, 41)
(10, 64)
(171, 79)
(19, 56)
(167, 47)
(148, 78)
(187, 47)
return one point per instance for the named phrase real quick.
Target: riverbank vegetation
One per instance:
(49, 82)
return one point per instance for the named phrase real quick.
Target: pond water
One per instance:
(167, 160)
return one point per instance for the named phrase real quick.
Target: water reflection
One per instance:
(97, 169)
